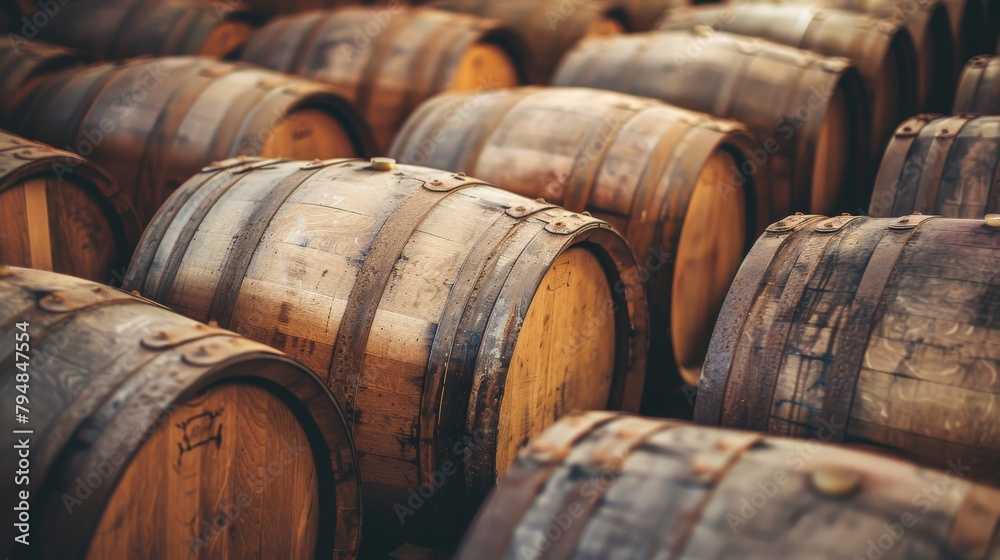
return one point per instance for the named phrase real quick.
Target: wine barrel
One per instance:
(656, 173)
(452, 320)
(118, 29)
(599, 485)
(972, 28)
(809, 111)
(642, 15)
(153, 436)
(152, 123)
(941, 165)
(979, 87)
(23, 64)
(279, 7)
(882, 52)
(61, 213)
(412, 56)
(549, 27)
(882, 328)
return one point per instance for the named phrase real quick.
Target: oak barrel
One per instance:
(452, 320)
(808, 111)
(118, 29)
(387, 67)
(941, 165)
(883, 329)
(153, 436)
(152, 123)
(973, 30)
(979, 87)
(642, 15)
(60, 212)
(22, 65)
(882, 52)
(599, 485)
(657, 173)
(549, 27)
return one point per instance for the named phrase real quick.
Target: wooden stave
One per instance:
(612, 493)
(729, 376)
(784, 200)
(899, 191)
(979, 87)
(21, 160)
(436, 412)
(83, 96)
(87, 429)
(23, 66)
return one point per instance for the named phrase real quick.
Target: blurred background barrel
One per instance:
(396, 63)
(870, 330)
(152, 123)
(808, 111)
(979, 87)
(642, 15)
(882, 52)
(598, 485)
(157, 437)
(59, 212)
(452, 320)
(23, 65)
(657, 173)
(941, 165)
(975, 32)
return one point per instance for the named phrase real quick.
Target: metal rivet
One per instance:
(383, 164)
(559, 224)
(918, 213)
(55, 298)
(519, 209)
(845, 213)
(799, 214)
(436, 182)
(904, 221)
(835, 481)
(161, 335)
(993, 220)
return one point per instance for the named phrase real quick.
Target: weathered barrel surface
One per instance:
(415, 54)
(22, 65)
(979, 87)
(549, 27)
(152, 123)
(451, 319)
(807, 110)
(882, 52)
(61, 213)
(154, 436)
(941, 165)
(657, 173)
(882, 330)
(600, 485)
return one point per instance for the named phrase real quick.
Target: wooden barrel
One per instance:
(807, 110)
(884, 329)
(59, 212)
(118, 29)
(21, 67)
(549, 27)
(599, 485)
(657, 173)
(152, 123)
(442, 312)
(153, 436)
(941, 165)
(389, 66)
(979, 87)
(882, 52)
(277, 7)
(972, 28)
(642, 15)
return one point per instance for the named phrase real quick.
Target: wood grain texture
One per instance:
(856, 331)
(782, 94)
(62, 213)
(979, 87)
(941, 165)
(152, 123)
(411, 291)
(158, 437)
(22, 64)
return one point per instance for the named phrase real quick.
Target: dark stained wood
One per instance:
(941, 165)
(979, 87)
(975, 33)
(596, 486)
(22, 64)
(881, 331)
(642, 15)
(158, 437)
(448, 317)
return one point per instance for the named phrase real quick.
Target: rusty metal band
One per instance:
(930, 179)
(581, 178)
(381, 48)
(890, 173)
(970, 85)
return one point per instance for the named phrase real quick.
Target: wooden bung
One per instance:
(153, 436)
(881, 50)
(657, 173)
(941, 165)
(22, 65)
(388, 66)
(979, 87)
(808, 111)
(60, 212)
(880, 330)
(152, 123)
(452, 320)
(599, 485)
